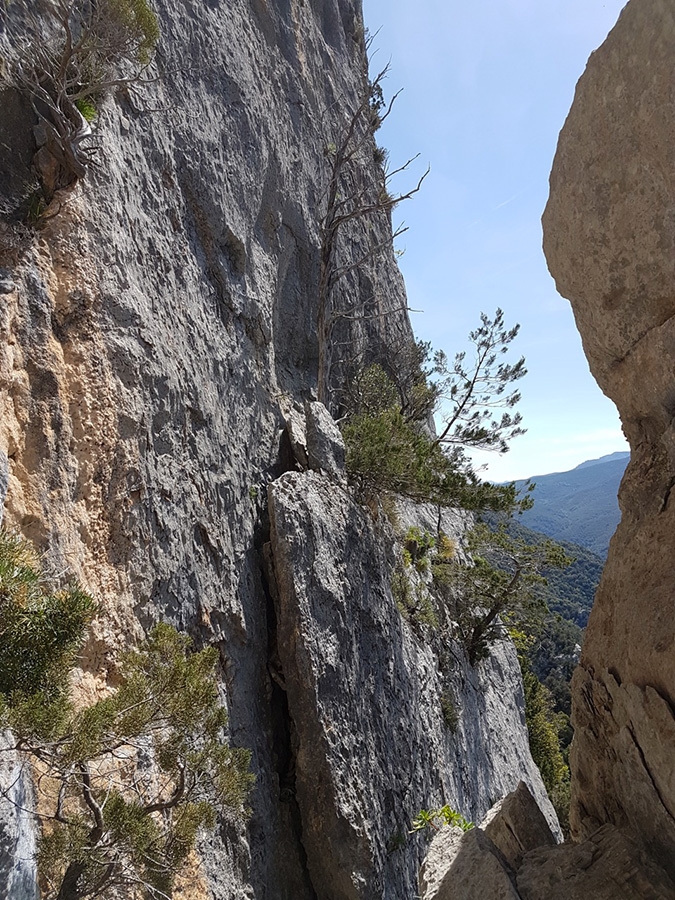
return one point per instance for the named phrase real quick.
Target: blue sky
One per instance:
(486, 88)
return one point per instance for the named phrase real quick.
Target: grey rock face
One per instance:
(18, 877)
(325, 446)
(296, 429)
(364, 697)
(160, 329)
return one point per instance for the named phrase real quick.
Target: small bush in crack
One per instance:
(436, 818)
(417, 546)
(413, 600)
(449, 711)
(397, 840)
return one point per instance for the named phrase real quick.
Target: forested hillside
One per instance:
(580, 505)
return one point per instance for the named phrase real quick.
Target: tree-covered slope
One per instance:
(579, 506)
(569, 594)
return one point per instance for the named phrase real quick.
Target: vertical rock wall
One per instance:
(609, 237)
(156, 334)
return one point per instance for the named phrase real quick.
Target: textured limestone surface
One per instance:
(364, 698)
(325, 446)
(18, 879)
(609, 237)
(156, 336)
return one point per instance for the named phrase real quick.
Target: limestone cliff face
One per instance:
(609, 237)
(157, 336)
(364, 696)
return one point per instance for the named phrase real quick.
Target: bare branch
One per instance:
(91, 803)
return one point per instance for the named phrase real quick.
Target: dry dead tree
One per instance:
(354, 193)
(66, 55)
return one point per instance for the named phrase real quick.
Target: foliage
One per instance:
(449, 710)
(502, 582)
(417, 545)
(580, 505)
(560, 797)
(553, 657)
(397, 840)
(67, 56)
(553, 650)
(110, 820)
(388, 453)
(87, 107)
(40, 629)
(386, 423)
(570, 591)
(472, 391)
(404, 381)
(544, 727)
(446, 548)
(413, 600)
(435, 818)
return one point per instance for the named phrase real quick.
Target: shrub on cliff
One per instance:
(41, 628)
(390, 447)
(123, 785)
(501, 582)
(67, 55)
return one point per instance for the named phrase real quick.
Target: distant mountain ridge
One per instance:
(609, 457)
(579, 505)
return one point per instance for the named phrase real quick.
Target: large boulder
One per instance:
(609, 238)
(369, 741)
(466, 865)
(610, 865)
(516, 825)
(325, 445)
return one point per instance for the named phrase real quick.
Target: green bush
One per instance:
(413, 600)
(386, 453)
(435, 818)
(501, 583)
(138, 23)
(449, 711)
(41, 629)
(544, 727)
(109, 819)
(417, 546)
(67, 57)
